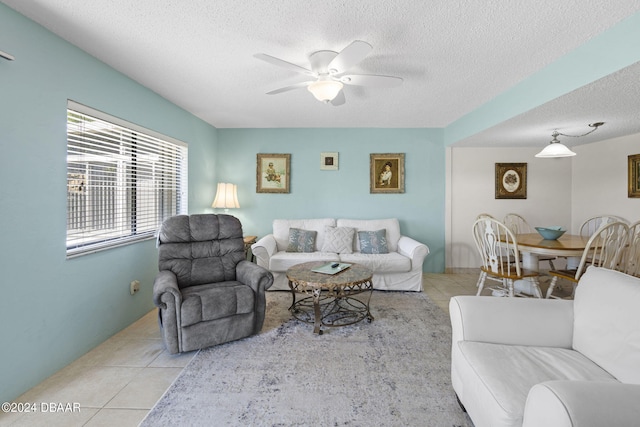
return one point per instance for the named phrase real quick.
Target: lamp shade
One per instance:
(555, 149)
(226, 196)
(325, 90)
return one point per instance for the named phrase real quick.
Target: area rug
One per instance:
(394, 371)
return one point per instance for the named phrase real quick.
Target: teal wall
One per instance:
(343, 193)
(53, 310)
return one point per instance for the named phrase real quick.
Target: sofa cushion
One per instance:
(281, 230)
(606, 322)
(392, 262)
(499, 377)
(301, 240)
(373, 242)
(206, 302)
(338, 240)
(391, 226)
(282, 261)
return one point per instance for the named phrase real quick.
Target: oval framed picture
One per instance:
(511, 180)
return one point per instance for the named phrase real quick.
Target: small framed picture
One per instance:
(511, 180)
(386, 173)
(634, 175)
(329, 161)
(272, 173)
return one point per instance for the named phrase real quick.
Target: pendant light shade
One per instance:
(555, 149)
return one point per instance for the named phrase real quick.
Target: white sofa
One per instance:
(530, 362)
(398, 270)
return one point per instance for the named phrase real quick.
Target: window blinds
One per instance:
(122, 180)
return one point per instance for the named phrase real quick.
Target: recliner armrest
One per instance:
(264, 249)
(258, 278)
(582, 403)
(515, 321)
(414, 250)
(166, 282)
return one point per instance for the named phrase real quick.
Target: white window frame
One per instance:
(123, 180)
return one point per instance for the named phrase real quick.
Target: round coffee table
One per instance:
(331, 301)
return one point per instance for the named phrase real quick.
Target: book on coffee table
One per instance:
(332, 268)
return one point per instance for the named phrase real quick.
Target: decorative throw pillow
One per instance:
(338, 240)
(373, 242)
(301, 240)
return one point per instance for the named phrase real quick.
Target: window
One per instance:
(122, 180)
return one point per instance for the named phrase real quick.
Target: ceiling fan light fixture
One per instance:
(325, 90)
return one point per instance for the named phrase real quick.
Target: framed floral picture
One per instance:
(511, 180)
(634, 175)
(386, 173)
(272, 173)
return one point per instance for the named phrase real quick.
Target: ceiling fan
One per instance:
(328, 70)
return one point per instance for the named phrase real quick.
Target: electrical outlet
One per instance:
(134, 287)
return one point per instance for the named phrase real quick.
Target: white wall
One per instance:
(600, 180)
(471, 190)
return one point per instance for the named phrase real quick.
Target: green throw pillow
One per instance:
(301, 240)
(373, 242)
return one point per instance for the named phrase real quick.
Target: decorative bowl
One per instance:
(551, 233)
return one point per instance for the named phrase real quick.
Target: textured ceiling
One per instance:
(454, 56)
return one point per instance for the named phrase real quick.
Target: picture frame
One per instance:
(329, 161)
(273, 173)
(634, 176)
(386, 173)
(511, 181)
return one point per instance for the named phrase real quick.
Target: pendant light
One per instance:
(557, 149)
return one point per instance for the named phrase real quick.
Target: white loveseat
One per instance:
(531, 362)
(398, 270)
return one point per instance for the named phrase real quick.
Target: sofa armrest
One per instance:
(515, 321)
(264, 249)
(254, 276)
(582, 403)
(414, 250)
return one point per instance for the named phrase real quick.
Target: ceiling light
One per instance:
(325, 90)
(557, 149)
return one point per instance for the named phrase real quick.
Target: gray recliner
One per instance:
(206, 290)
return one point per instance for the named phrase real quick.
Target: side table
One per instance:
(248, 241)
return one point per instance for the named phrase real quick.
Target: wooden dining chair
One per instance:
(591, 225)
(631, 257)
(518, 225)
(500, 257)
(604, 249)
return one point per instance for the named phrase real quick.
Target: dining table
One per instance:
(532, 245)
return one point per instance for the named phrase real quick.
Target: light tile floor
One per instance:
(120, 380)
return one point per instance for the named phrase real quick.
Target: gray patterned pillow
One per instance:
(301, 240)
(338, 240)
(373, 242)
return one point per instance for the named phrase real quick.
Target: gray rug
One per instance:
(394, 371)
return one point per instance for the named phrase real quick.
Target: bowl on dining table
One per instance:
(551, 233)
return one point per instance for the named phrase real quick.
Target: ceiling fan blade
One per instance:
(284, 64)
(349, 56)
(371, 80)
(339, 99)
(291, 87)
